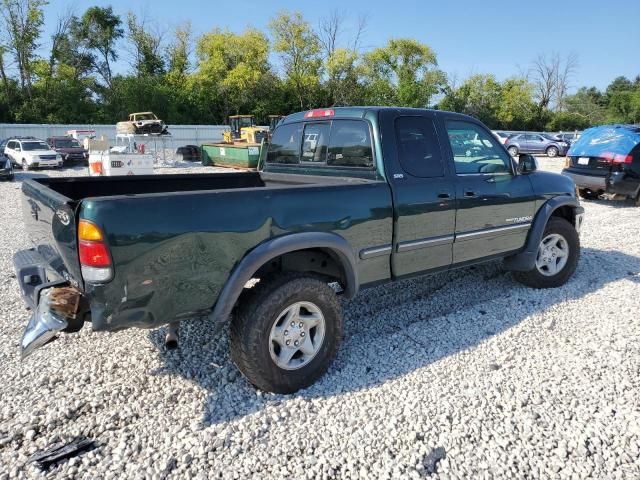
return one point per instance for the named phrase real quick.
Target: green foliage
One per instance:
(403, 72)
(299, 49)
(203, 80)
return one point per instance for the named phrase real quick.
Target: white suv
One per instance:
(32, 153)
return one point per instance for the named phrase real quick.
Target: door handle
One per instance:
(470, 194)
(444, 195)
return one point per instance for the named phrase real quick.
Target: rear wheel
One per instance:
(286, 332)
(513, 151)
(552, 151)
(557, 256)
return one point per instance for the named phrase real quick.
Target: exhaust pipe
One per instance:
(171, 339)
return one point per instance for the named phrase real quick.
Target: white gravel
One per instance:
(501, 380)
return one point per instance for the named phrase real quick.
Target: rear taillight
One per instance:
(95, 260)
(623, 159)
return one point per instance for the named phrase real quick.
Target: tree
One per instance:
(299, 49)
(516, 109)
(146, 46)
(479, 96)
(98, 31)
(551, 75)
(404, 72)
(23, 21)
(232, 65)
(588, 104)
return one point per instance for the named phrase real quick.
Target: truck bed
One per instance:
(79, 188)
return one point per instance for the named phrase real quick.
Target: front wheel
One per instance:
(25, 165)
(557, 256)
(286, 332)
(552, 152)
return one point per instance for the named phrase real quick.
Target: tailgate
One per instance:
(50, 221)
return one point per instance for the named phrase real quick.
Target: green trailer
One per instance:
(239, 155)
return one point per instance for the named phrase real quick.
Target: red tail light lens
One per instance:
(623, 159)
(95, 260)
(94, 254)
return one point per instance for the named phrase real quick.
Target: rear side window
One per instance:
(350, 144)
(338, 143)
(418, 147)
(285, 144)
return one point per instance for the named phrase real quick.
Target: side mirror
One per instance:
(527, 163)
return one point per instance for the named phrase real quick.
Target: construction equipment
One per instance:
(242, 128)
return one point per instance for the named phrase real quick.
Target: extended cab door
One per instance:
(423, 192)
(495, 205)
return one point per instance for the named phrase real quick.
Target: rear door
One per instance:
(536, 143)
(423, 193)
(495, 205)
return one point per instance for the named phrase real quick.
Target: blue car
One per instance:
(606, 159)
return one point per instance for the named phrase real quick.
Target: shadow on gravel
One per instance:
(392, 330)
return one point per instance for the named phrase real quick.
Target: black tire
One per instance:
(513, 151)
(533, 278)
(10, 178)
(257, 312)
(636, 202)
(552, 151)
(25, 165)
(588, 194)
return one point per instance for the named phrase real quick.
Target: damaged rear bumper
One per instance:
(53, 302)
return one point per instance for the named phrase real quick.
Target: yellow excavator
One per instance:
(242, 128)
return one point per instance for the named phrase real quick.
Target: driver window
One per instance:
(475, 151)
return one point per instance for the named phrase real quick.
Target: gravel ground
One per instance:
(459, 375)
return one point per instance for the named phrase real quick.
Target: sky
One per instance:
(469, 37)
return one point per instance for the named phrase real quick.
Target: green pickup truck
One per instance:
(346, 198)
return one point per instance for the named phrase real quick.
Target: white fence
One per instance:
(180, 134)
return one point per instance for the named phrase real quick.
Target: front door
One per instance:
(424, 193)
(495, 205)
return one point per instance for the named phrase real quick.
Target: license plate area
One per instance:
(583, 160)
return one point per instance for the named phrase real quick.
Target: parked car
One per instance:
(69, 149)
(3, 145)
(606, 159)
(6, 168)
(31, 153)
(502, 136)
(570, 138)
(385, 197)
(535, 143)
(142, 123)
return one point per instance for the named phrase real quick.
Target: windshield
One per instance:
(145, 116)
(67, 143)
(30, 146)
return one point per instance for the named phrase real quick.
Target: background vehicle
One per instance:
(6, 168)
(142, 123)
(535, 143)
(606, 159)
(502, 136)
(32, 153)
(380, 194)
(242, 128)
(69, 149)
(569, 138)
